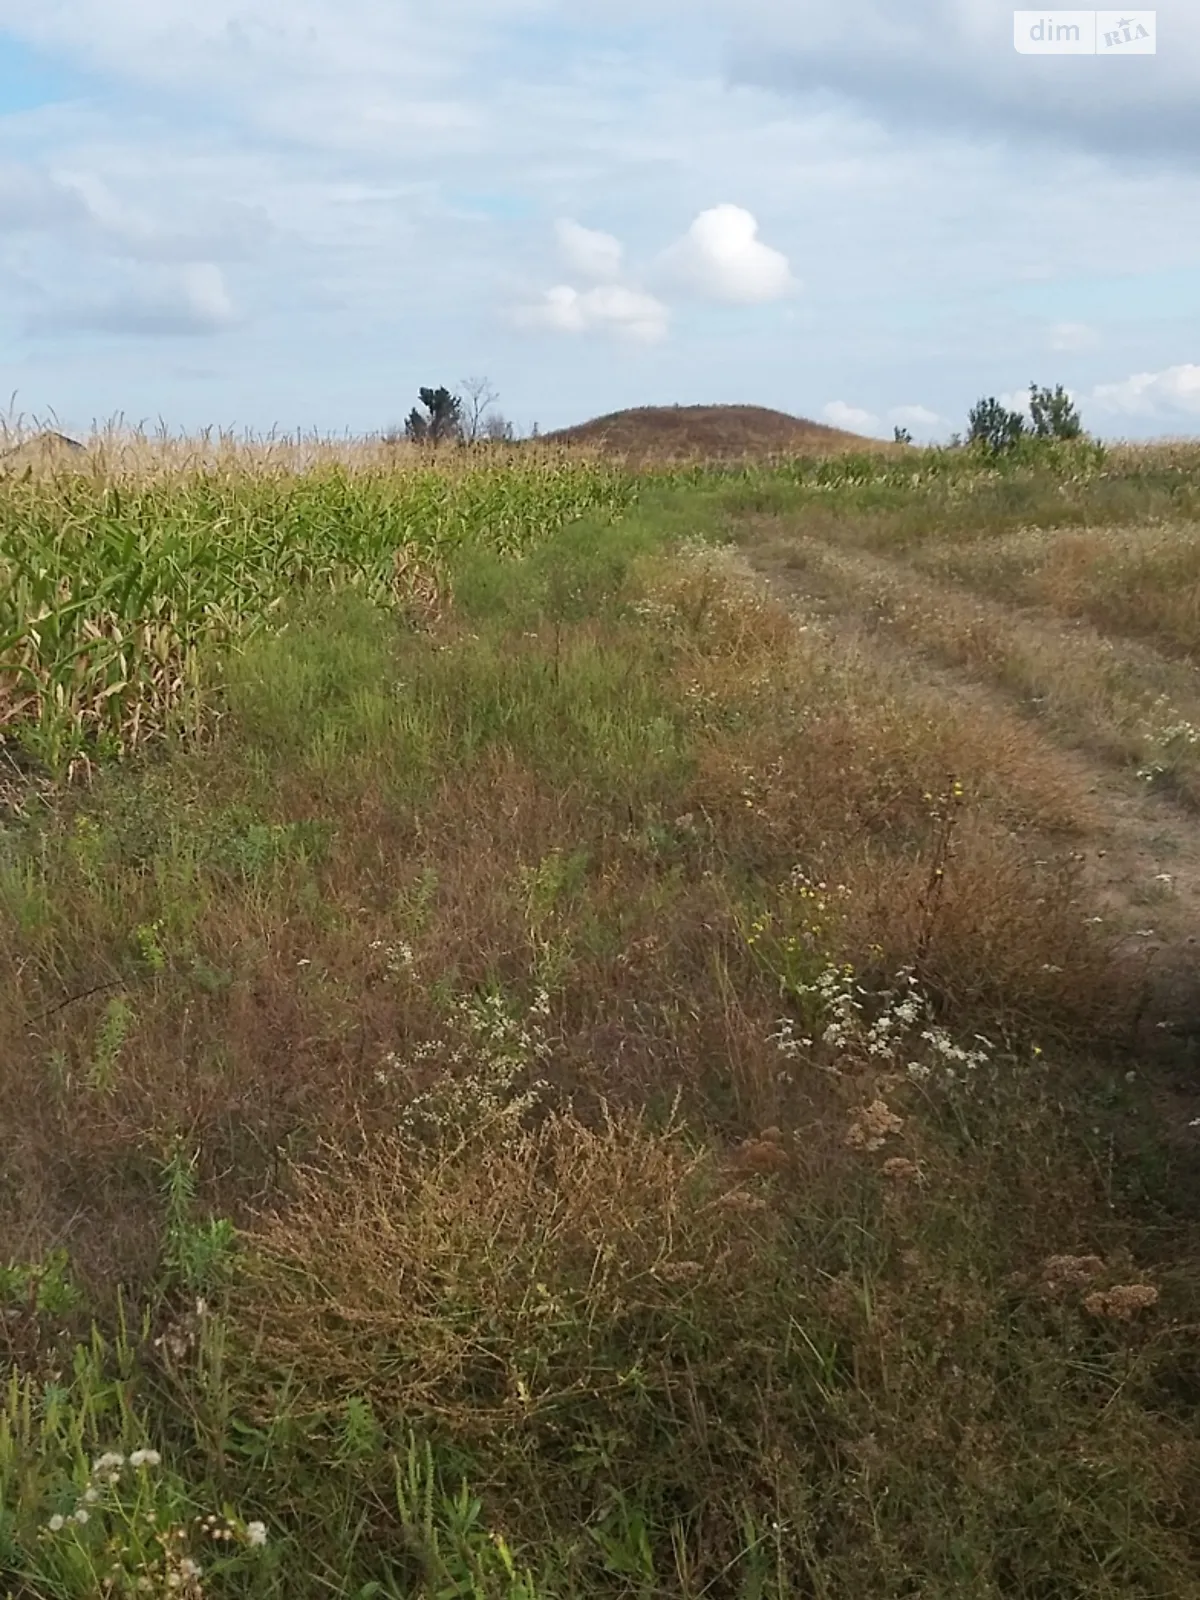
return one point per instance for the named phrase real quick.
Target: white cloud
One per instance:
(193, 302)
(840, 415)
(1073, 337)
(205, 295)
(721, 258)
(397, 157)
(919, 417)
(1174, 391)
(589, 253)
(951, 64)
(82, 208)
(611, 308)
(1016, 400)
(919, 420)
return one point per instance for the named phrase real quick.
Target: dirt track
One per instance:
(1140, 850)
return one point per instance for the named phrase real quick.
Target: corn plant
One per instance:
(112, 581)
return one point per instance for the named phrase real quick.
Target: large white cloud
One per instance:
(722, 258)
(591, 254)
(611, 308)
(1174, 392)
(348, 70)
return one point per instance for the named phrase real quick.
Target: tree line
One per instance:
(992, 427)
(467, 416)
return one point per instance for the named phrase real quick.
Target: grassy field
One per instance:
(642, 1046)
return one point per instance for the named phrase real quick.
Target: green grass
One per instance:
(466, 1112)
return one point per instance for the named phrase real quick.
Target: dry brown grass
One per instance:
(1115, 697)
(459, 1260)
(710, 433)
(1139, 582)
(119, 454)
(476, 966)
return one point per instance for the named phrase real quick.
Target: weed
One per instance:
(555, 1091)
(197, 1257)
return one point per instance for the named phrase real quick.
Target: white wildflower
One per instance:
(256, 1533)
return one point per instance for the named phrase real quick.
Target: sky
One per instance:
(292, 214)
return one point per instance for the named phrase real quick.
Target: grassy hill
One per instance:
(711, 433)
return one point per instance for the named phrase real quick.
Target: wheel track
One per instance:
(1140, 856)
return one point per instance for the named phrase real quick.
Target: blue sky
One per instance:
(294, 213)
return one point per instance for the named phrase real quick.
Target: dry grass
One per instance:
(1103, 659)
(1140, 581)
(710, 433)
(494, 973)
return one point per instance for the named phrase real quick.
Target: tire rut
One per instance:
(1140, 853)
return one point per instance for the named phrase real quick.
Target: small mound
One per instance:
(710, 433)
(41, 449)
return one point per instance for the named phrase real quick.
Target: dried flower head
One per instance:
(762, 1155)
(1120, 1303)
(1070, 1272)
(872, 1126)
(900, 1169)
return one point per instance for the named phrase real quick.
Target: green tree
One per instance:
(994, 427)
(441, 419)
(1054, 413)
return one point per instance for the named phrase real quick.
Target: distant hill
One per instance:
(41, 449)
(709, 432)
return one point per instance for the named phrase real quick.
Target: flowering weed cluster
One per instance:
(504, 1048)
(795, 943)
(398, 959)
(124, 1531)
(1172, 738)
(835, 998)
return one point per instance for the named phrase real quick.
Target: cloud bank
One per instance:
(951, 65)
(192, 303)
(345, 201)
(609, 308)
(720, 259)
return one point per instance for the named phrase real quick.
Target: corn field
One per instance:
(115, 570)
